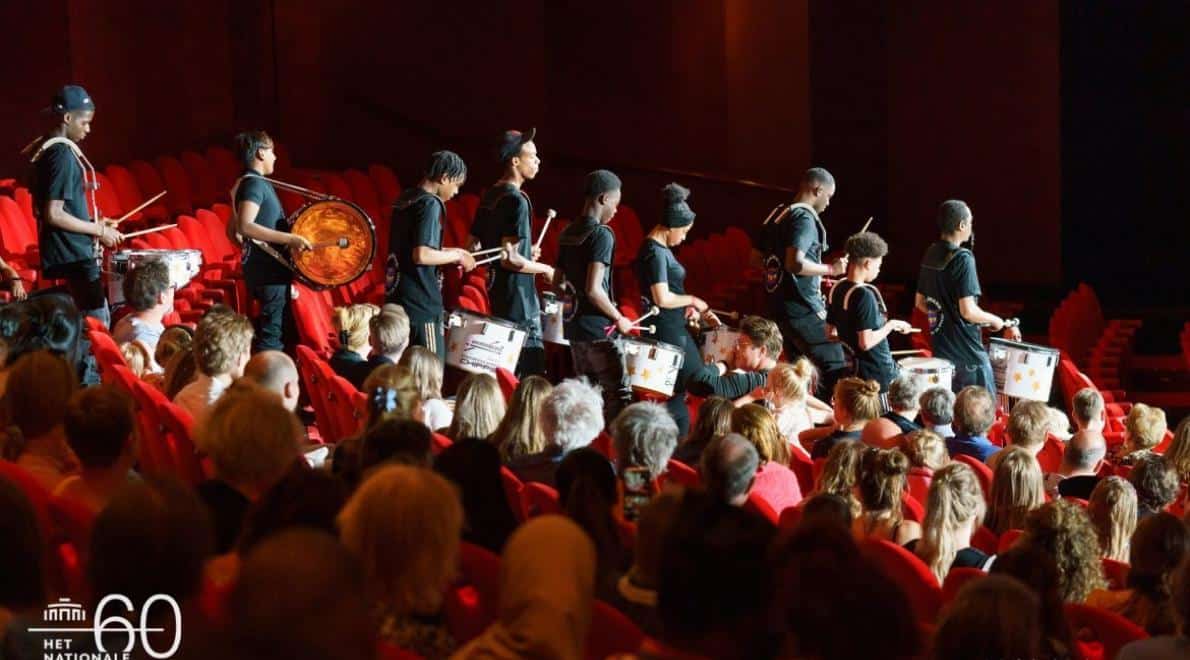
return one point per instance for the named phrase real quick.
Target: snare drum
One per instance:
(480, 344)
(552, 328)
(933, 372)
(718, 345)
(183, 266)
(652, 367)
(1024, 371)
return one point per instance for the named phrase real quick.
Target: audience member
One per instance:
(1027, 428)
(1160, 544)
(1059, 425)
(1176, 645)
(729, 466)
(428, 372)
(841, 472)
(881, 486)
(1178, 454)
(22, 553)
(350, 359)
(479, 408)
(937, 411)
(714, 420)
(180, 370)
(137, 358)
(520, 432)
(303, 498)
(101, 429)
(173, 339)
(636, 591)
(400, 441)
(222, 347)
(1156, 485)
(1113, 513)
(788, 391)
(389, 335)
(571, 417)
(1062, 530)
(148, 291)
(1088, 411)
(774, 483)
(587, 493)
(40, 385)
(881, 433)
(1036, 569)
(645, 436)
(974, 413)
(47, 322)
(1144, 429)
(904, 395)
(995, 617)
(1017, 488)
(926, 452)
(856, 402)
(276, 372)
(954, 510)
(826, 509)
(473, 465)
(403, 524)
(1079, 471)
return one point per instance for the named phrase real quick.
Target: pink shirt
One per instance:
(777, 486)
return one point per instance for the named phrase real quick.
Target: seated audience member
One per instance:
(937, 411)
(1027, 428)
(755, 354)
(222, 347)
(137, 358)
(276, 372)
(788, 392)
(994, 617)
(1088, 411)
(926, 452)
(1178, 454)
(1144, 429)
(1062, 530)
(954, 510)
(473, 465)
(645, 436)
(22, 592)
(1173, 645)
(1079, 472)
(547, 578)
(1017, 488)
(40, 385)
(520, 432)
(479, 408)
(428, 371)
(253, 441)
(389, 335)
(729, 466)
(1156, 485)
(1113, 512)
(1160, 544)
(825, 588)
(350, 359)
(713, 590)
(904, 395)
(571, 417)
(148, 292)
(856, 402)
(1059, 425)
(302, 498)
(774, 483)
(714, 420)
(840, 473)
(399, 441)
(403, 524)
(100, 428)
(180, 371)
(974, 413)
(881, 485)
(881, 433)
(391, 396)
(46, 323)
(173, 339)
(1037, 570)
(588, 495)
(826, 509)
(636, 591)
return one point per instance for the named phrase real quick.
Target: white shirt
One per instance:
(198, 397)
(436, 414)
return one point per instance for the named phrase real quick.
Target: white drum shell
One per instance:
(718, 345)
(652, 366)
(552, 328)
(480, 344)
(933, 371)
(1023, 371)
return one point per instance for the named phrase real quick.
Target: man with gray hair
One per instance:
(729, 465)
(275, 372)
(1077, 476)
(937, 410)
(645, 436)
(1088, 410)
(903, 394)
(571, 416)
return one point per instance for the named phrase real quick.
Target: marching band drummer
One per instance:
(415, 245)
(948, 293)
(583, 278)
(67, 234)
(504, 219)
(662, 283)
(259, 217)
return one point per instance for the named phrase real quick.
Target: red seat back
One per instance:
(956, 578)
(611, 633)
(1116, 573)
(802, 466)
(910, 573)
(681, 474)
(1108, 628)
(982, 472)
(540, 499)
(1008, 539)
(508, 382)
(179, 199)
(919, 483)
(513, 491)
(202, 179)
(1050, 456)
(757, 504)
(911, 509)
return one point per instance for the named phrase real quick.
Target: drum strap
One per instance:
(830, 297)
(950, 256)
(90, 178)
(233, 222)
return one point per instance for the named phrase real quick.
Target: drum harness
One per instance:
(90, 178)
(264, 246)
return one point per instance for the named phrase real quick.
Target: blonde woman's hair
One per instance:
(840, 472)
(520, 432)
(790, 383)
(1178, 453)
(1113, 513)
(174, 339)
(136, 356)
(882, 481)
(925, 449)
(954, 499)
(859, 398)
(1018, 487)
(479, 408)
(757, 424)
(392, 394)
(404, 524)
(250, 436)
(1146, 426)
(351, 323)
(427, 371)
(1059, 425)
(1063, 530)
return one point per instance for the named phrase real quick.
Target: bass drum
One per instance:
(324, 223)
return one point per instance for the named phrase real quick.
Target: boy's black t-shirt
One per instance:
(793, 296)
(863, 312)
(504, 210)
(57, 175)
(261, 268)
(948, 275)
(582, 243)
(416, 222)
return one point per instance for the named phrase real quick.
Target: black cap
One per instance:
(70, 98)
(512, 142)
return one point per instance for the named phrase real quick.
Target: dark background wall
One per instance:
(1002, 104)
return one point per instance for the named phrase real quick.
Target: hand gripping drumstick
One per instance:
(549, 215)
(490, 259)
(340, 242)
(735, 316)
(478, 253)
(141, 207)
(653, 311)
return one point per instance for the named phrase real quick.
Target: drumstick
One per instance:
(726, 315)
(653, 311)
(651, 329)
(489, 260)
(141, 207)
(866, 224)
(149, 231)
(487, 251)
(549, 215)
(908, 352)
(340, 242)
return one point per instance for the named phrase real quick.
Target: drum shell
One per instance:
(1023, 371)
(326, 220)
(480, 344)
(553, 329)
(934, 372)
(652, 366)
(718, 345)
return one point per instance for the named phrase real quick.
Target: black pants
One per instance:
(602, 362)
(275, 327)
(427, 332)
(806, 335)
(691, 363)
(85, 286)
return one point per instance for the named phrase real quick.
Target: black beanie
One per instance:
(677, 212)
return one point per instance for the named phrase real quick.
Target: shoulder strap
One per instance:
(874, 290)
(45, 145)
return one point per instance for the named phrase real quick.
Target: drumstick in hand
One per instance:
(549, 215)
(340, 243)
(141, 207)
(148, 231)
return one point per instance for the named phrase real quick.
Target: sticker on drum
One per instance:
(552, 327)
(933, 372)
(718, 345)
(481, 344)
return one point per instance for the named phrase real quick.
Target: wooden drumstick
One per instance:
(340, 243)
(148, 231)
(651, 329)
(549, 215)
(141, 207)
(735, 316)
(489, 259)
(478, 253)
(866, 225)
(916, 351)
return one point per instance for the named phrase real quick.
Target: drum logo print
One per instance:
(569, 300)
(392, 274)
(935, 315)
(773, 273)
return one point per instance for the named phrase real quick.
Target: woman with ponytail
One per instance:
(882, 482)
(1017, 488)
(856, 402)
(351, 358)
(954, 511)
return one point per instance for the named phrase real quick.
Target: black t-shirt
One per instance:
(260, 267)
(656, 263)
(416, 222)
(793, 296)
(863, 312)
(825, 445)
(227, 507)
(57, 175)
(584, 242)
(906, 425)
(947, 275)
(504, 211)
(1080, 486)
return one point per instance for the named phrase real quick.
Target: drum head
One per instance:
(324, 223)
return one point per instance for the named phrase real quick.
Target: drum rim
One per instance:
(944, 364)
(492, 319)
(651, 342)
(367, 266)
(1016, 345)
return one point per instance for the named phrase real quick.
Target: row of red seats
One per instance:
(1079, 329)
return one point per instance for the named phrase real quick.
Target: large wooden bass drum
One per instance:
(344, 243)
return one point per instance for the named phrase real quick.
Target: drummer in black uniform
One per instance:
(586, 252)
(415, 250)
(792, 245)
(857, 311)
(259, 217)
(948, 293)
(504, 219)
(662, 282)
